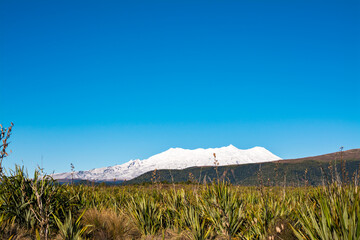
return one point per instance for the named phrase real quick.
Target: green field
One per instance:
(39, 208)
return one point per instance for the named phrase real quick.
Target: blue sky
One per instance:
(96, 83)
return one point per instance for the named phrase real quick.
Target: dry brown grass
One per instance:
(167, 235)
(14, 232)
(107, 224)
(281, 230)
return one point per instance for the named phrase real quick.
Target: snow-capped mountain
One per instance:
(175, 158)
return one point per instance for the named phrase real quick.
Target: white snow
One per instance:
(175, 158)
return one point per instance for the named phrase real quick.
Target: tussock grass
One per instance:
(106, 224)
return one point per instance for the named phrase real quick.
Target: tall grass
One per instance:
(214, 211)
(330, 214)
(70, 229)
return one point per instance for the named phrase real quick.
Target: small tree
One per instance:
(4, 137)
(43, 205)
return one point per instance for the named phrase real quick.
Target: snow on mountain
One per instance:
(175, 158)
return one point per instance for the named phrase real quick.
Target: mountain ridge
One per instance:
(174, 158)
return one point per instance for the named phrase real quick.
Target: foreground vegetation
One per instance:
(39, 208)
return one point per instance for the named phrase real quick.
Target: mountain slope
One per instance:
(175, 158)
(291, 172)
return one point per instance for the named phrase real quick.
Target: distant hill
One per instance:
(292, 171)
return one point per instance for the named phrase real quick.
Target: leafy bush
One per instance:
(32, 202)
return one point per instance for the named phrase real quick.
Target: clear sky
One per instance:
(97, 83)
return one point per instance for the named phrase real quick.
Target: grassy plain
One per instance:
(39, 208)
